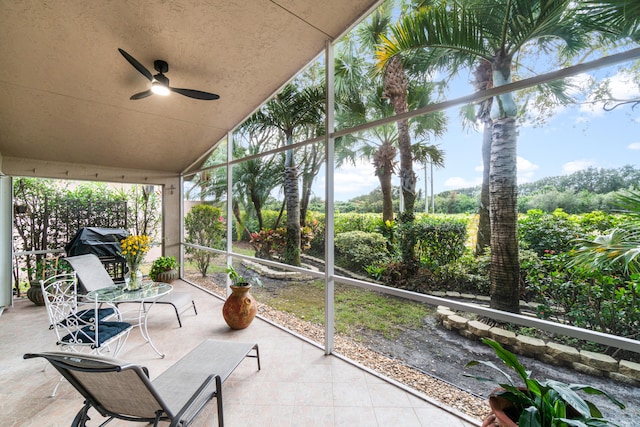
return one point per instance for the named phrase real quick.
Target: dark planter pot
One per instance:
(166, 276)
(34, 293)
(240, 308)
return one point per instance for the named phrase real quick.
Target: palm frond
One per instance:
(618, 249)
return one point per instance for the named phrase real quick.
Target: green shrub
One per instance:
(598, 221)
(205, 226)
(591, 299)
(355, 250)
(439, 241)
(356, 222)
(271, 244)
(548, 233)
(316, 246)
(467, 274)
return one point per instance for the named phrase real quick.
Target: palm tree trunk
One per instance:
(483, 81)
(395, 88)
(292, 198)
(292, 248)
(383, 161)
(483, 236)
(505, 267)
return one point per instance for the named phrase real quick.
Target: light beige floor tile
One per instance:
(404, 417)
(298, 385)
(313, 416)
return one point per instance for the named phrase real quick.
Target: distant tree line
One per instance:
(580, 192)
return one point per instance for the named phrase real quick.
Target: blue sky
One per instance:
(575, 138)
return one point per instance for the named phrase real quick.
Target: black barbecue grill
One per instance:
(105, 244)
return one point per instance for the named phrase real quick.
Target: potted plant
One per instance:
(537, 403)
(240, 308)
(164, 269)
(45, 268)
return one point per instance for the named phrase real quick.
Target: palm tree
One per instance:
(495, 31)
(395, 84)
(290, 111)
(360, 96)
(254, 179)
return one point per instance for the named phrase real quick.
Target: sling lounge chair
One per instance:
(123, 390)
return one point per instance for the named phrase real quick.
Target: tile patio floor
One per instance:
(297, 386)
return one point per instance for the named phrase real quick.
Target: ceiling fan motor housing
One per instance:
(160, 66)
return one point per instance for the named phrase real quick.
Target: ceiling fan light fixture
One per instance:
(159, 88)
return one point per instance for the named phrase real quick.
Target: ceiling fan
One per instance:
(160, 83)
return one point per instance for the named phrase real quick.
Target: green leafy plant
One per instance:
(546, 403)
(162, 264)
(238, 280)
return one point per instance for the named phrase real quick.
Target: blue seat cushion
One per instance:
(86, 316)
(87, 335)
(103, 313)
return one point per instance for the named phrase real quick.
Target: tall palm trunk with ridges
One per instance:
(503, 188)
(292, 197)
(395, 88)
(383, 162)
(483, 81)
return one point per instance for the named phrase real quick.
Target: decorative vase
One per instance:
(135, 279)
(505, 411)
(501, 408)
(240, 308)
(34, 293)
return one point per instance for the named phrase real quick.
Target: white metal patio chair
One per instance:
(79, 329)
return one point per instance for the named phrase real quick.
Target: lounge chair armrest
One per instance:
(195, 398)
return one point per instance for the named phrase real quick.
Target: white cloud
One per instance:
(352, 181)
(479, 168)
(526, 170)
(459, 182)
(634, 146)
(577, 165)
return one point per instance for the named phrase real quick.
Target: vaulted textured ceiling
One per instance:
(65, 88)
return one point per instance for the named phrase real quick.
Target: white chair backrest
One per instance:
(76, 328)
(61, 300)
(90, 271)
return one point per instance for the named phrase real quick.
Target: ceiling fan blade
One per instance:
(138, 66)
(197, 94)
(141, 95)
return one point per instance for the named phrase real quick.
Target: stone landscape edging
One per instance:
(549, 352)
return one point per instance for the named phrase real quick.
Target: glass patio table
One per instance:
(148, 293)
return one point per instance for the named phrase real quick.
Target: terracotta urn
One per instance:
(240, 308)
(501, 408)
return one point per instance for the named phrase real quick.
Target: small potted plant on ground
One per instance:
(547, 403)
(240, 308)
(164, 269)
